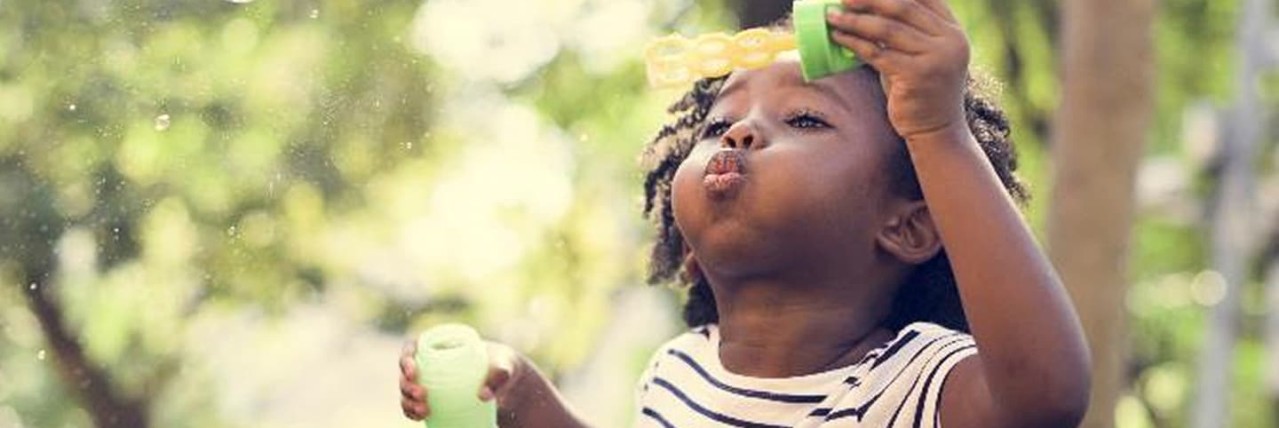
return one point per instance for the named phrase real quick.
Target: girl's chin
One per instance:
(730, 248)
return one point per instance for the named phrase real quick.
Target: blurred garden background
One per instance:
(232, 213)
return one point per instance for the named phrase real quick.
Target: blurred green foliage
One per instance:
(167, 167)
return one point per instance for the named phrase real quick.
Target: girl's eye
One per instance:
(807, 120)
(715, 128)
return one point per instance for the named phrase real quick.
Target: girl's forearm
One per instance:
(1031, 344)
(538, 404)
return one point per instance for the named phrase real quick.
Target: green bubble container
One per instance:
(452, 363)
(819, 55)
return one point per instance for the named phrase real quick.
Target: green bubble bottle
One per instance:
(452, 363)
(819, 55)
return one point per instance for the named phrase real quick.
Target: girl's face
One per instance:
(789, 176)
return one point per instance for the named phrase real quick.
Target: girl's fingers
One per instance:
(411, 390)
(893, 34)
(413, 400)
(408, 367)
(910, 12)
(412, 396)
(881, 58)
(941, 9)
(414, 411)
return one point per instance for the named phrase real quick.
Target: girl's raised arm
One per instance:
(1032, 369)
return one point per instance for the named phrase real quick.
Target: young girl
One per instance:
(830, 231)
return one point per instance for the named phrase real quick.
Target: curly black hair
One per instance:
(929, 293)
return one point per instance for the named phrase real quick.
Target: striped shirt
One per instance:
(895, 385)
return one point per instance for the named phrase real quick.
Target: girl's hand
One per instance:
(506, 368)
(921, 54)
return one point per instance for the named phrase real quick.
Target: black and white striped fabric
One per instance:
(895, 385)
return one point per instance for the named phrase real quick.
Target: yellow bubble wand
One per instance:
(675, 60)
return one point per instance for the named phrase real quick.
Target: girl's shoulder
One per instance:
(915, 364)
(929, 328)
(919, 342)
(915, 337)
(931, 332)
(916, 345)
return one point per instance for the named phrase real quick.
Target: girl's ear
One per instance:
(691, 271)
(910, 235)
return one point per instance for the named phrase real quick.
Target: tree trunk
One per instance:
(106, 406)
(1098, 133)
(1232, 219)
(1272, 332)
(28, 235)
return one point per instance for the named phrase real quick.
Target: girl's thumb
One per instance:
(486, 393)
(498, 376)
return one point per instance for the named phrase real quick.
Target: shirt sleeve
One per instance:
(933, 378)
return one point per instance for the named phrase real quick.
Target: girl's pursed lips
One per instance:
(725, 172)
(727, 161)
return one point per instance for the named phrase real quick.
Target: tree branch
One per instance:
(90, 384)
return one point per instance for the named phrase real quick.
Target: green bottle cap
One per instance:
(452, 363)
(819, 55)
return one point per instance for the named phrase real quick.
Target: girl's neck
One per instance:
(770, 329)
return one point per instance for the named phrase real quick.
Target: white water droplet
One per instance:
(34, 286)
(240, 1)
(408, 145)
(162, 122)
(230, 231)
(315, 13)
(40, 355)
(71, 107)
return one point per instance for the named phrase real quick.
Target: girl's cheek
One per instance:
(688, 204)
(699, 155)
(682, 175)
(687, 181)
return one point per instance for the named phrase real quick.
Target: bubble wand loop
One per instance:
(674, 60)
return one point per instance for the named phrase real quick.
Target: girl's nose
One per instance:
(740, 135)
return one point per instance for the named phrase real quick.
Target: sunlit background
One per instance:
(232, 213)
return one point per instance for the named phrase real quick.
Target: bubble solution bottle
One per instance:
(452, 362)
